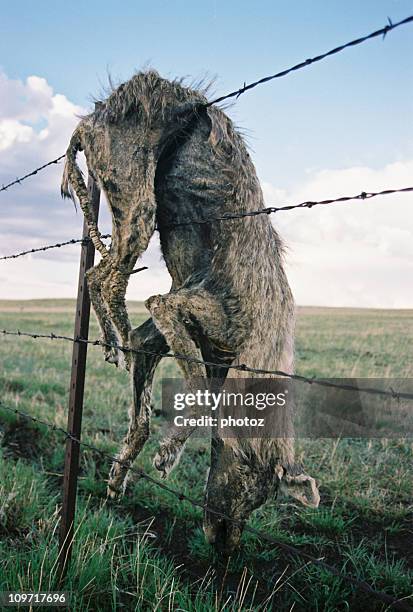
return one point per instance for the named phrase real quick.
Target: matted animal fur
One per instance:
(163, 157)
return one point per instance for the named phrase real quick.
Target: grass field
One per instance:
(147, 552)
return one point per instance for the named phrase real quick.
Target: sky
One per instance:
(338, 127)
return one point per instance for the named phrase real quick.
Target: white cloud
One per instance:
(355, 254)
(27, 101)
(35, 125)
(12, 131)
(350, 254)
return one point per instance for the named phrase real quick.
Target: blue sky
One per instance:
(353, 110)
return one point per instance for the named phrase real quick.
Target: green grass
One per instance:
(147, 551)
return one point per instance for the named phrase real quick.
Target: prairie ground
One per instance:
(147, 551)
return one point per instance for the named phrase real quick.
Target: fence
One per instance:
(242, 367)
(364, 195)
(80, 343)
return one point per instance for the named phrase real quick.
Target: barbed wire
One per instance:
(399, 395)
(17, 181)
(358, 41)
(362, 585)
(246, 87)
(364, 195)
(58, 245)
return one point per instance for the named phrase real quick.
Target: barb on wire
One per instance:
(289, 548)
(51, 246)
(17, 181)
(357, 41)
(364, 195)
(240, 367)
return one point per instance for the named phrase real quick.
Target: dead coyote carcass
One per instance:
(162, 157)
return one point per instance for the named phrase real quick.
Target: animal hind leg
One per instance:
(176, 315)
(95, 278)
(148, 338)
(114, 291)
(131, 237)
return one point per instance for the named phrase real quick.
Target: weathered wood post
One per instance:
(77, 384)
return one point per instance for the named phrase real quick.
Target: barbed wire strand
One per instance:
(17, 181)
(399, 395)
(304, 64)
(364, 195)
(290, 549)
(57, 245)
(357, 41)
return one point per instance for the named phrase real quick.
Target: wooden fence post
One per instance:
(77, 384)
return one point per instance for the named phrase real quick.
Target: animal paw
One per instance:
(111, 355)
(113, 493)
(117, 482)
(168, 456)
(302, 487)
